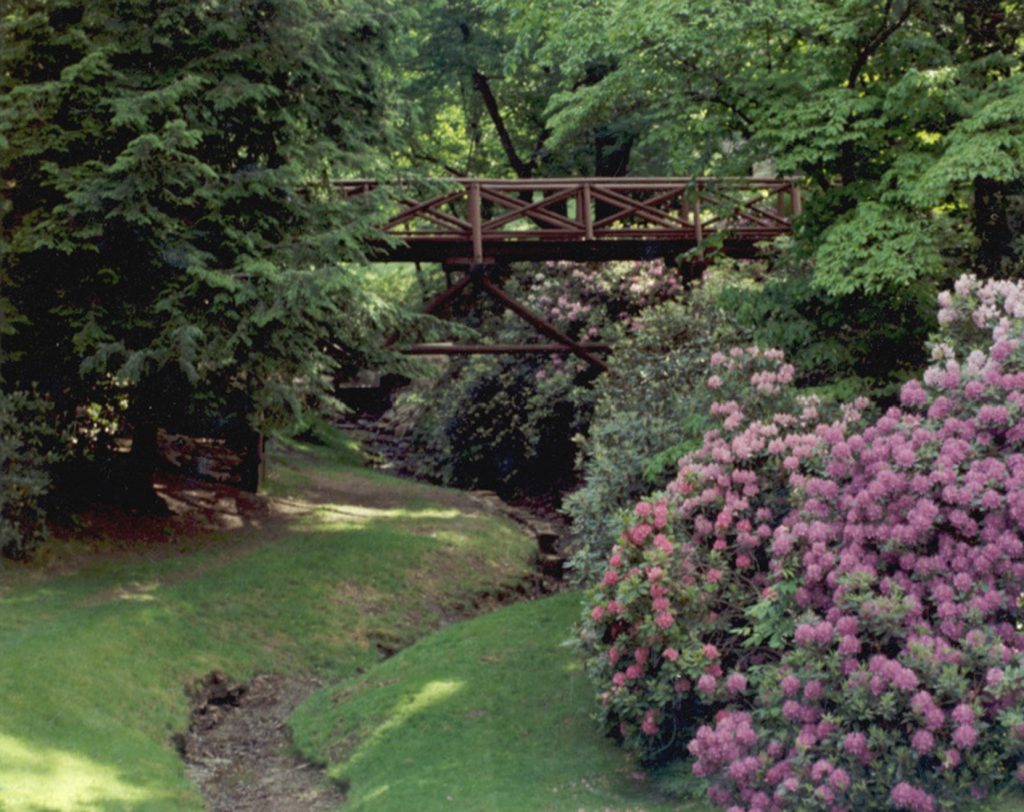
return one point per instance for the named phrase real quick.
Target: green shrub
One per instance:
(25, 455)
(498, 425)
(829, 605)
(843, 346)
(507, 422)
(673, 601)
(651, 408)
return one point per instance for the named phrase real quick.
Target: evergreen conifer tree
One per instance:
(170, 244)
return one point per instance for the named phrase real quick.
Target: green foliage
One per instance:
(508, 422)
(651, 408)
(27, 443)
(170, 241)
(478, 82)
(988, 144)
(464, 112)
(498, 426)
(842, 346)
(868, 101)
(874, 250)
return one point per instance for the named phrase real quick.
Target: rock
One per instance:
(551, 565)
(547, 536)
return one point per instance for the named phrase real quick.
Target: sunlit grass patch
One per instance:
(66, 780)
(490, 714)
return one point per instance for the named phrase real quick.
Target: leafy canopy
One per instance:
(169, 239)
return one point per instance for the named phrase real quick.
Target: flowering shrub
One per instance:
(650, 408)
(902, 682)
(669, 636)
(850, 345)
(879, 664)
(594, 302)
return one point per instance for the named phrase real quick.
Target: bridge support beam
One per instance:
(501, 349)
(478, 276)
(542, 326)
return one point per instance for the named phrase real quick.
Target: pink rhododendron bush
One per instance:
(825, 611)
(662, 631)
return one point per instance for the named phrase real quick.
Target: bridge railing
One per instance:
(483, 212)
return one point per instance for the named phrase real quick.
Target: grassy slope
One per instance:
(93, 661)
(492, 714)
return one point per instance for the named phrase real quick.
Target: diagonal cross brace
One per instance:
(539, 324)
(477, 275)
(441, 299)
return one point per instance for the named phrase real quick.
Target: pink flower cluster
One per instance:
(647, 283)
(692, 560)
(586, 301)
(874, 574)
(908, 561)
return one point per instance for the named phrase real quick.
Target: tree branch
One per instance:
(538, 148)
(519, 166)
(865, 52)
(716, 97)
(420, 155)
(745, 122)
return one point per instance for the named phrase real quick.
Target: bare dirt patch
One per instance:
(238, 749)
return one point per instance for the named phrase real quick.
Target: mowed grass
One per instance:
(95, 650)
(493, 714)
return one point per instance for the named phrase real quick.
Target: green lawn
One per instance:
(490, 715)
(98, 641)
(93, 660)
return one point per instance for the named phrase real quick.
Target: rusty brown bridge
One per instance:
(478, 225)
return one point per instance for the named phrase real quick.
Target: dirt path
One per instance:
(238, 750)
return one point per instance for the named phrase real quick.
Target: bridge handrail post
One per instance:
(794, 191)
(698, 227)
(588, 216)
(475, 223)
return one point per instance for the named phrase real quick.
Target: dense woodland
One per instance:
(161, 265)
(174, 255)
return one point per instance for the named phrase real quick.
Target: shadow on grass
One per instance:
(93, 661)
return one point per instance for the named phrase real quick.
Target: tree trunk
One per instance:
(142, 463)
(992, 225)
(144, 411)
(252, 471)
